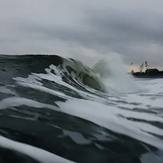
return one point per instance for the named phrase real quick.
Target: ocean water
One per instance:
(58, 110)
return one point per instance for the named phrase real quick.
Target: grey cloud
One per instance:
(133, 29)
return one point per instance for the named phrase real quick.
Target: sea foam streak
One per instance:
(36, 153)
(103, 94)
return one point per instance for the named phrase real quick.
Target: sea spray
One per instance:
(113, 74)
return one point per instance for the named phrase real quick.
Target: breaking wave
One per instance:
(55, 109)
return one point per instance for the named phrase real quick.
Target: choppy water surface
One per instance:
(58, 110)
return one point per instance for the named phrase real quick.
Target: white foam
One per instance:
(32, 79)
(110, 118)
(107, 112)
(150, 96)
(6, 90)
(31, 82)
(43, 89)
(77, 137)
(18, 101)
(33, 152)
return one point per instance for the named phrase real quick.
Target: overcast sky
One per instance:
(81, 28)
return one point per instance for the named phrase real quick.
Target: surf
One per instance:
(67, 108)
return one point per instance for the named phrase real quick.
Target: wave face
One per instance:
(54, 109)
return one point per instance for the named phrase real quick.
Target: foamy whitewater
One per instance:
(54, 109)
